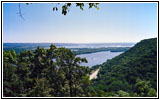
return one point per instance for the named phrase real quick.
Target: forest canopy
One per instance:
(51, 72)
(57, 72)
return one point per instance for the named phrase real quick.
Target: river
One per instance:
(98, 57)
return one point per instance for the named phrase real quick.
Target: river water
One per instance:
(98, 57)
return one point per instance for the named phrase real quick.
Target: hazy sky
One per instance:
(113, 22)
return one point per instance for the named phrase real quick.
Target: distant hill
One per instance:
(121, 72)
(76, 48)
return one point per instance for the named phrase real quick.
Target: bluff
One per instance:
(122, 72)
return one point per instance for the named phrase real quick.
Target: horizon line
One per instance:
(70, 42)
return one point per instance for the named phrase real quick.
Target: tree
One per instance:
(69, 64)
(44, 72)
(143, 89)
(38, 63)
(10, 85)
(41, 89)
(65, 7)
(122, 93)
(24, 71)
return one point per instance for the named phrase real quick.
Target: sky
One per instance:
(113, 22)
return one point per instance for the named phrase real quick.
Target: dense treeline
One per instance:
(133, 73)
(57, 72)
(50, 72)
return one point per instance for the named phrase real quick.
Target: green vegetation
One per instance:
(43, 73)
(57, 72)
(65, 7)
(133, 72)
(95, 67)
(22, 47)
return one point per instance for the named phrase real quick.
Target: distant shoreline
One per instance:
(75, 48)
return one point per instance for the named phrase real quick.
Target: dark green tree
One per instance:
(69, 64)
(144, 89)
(10, 85)
(41, 89)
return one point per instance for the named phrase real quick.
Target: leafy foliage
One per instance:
(57, 72)
(122, 72)
(66, 6)
(143, 89)
(44, 73)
